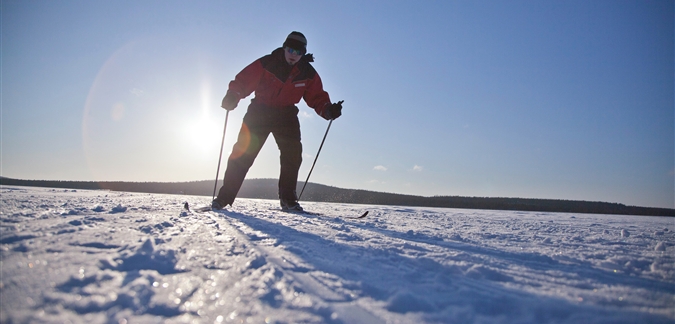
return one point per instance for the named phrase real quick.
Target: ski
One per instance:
(305, 212)
(199, 209)
(297, 212)
(204, 209)
(358, 217)
(300, 212)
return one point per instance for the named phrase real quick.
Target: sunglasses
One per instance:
(293, 51)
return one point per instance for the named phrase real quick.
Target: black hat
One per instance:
(296, 40)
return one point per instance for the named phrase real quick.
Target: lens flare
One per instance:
(151, 113)
(243, 141)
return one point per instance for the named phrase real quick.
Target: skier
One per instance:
(279, 80)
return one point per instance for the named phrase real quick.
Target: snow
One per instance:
(114, 257)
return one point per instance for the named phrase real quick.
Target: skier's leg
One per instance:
(244, 152)
(287, 136)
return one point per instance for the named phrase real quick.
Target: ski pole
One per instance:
(316, 158)
(220, 156)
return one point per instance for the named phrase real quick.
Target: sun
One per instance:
(203, 135)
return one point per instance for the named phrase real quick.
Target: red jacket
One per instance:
(278, 84)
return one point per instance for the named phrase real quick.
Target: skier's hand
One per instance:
(230, 101)
(333, 111)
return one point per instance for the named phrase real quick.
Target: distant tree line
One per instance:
(267, 189)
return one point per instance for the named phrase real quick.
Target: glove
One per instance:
(230, 101)
(333, 111)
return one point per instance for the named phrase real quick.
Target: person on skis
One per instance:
(279, 81)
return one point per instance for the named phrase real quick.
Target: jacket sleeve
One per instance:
(316, 97)
(245, 82)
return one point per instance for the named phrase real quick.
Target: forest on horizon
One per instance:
(267, 189)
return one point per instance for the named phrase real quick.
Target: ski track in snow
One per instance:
(112, 257)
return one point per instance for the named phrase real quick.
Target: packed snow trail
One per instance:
(109, 257)
(318, 290)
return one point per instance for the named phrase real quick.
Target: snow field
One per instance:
(113, 257)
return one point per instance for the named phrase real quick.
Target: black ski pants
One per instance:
(258, 123)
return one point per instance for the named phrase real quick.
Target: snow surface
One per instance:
(114, 257)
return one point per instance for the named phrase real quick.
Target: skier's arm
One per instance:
(246, 81)
(316, 97)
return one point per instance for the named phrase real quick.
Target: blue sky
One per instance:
(535, 99)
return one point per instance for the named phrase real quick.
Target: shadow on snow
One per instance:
(444, 292)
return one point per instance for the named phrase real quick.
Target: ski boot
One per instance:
(291, 206)
(217, 205)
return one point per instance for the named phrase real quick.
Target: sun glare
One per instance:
(205, 131)
(203, 136)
